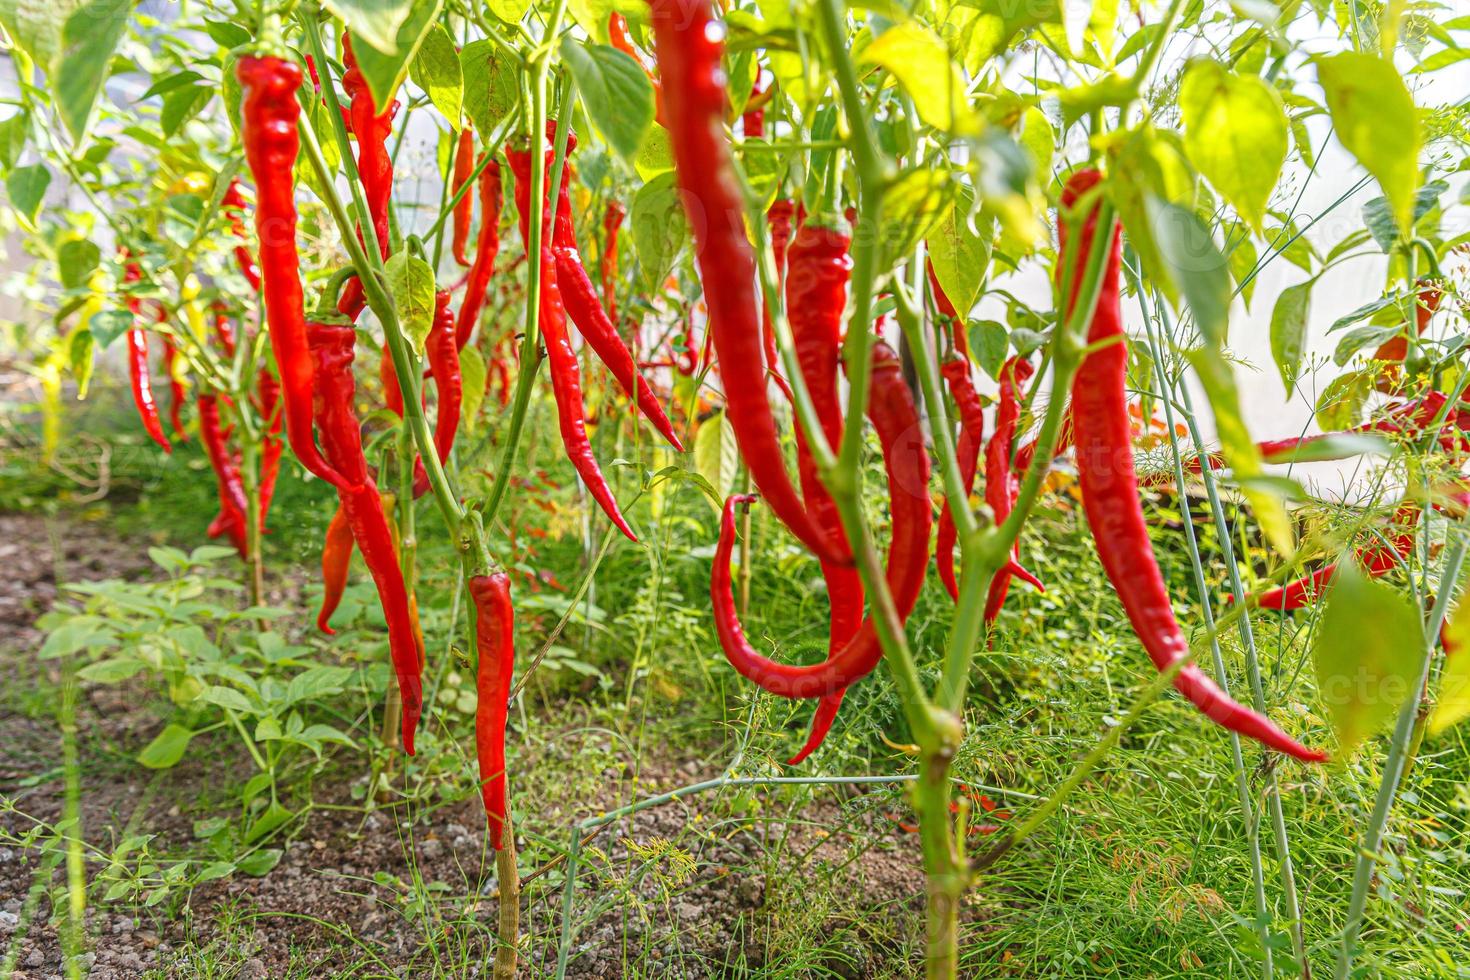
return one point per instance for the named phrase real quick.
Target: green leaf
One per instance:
(1289, 331)
(88, 40)
(491, 85)
(1038, 138)
(225, 697)
(1369, 646)
(436, 70)
(659, 228)
(919, 59)
(110, 671)
(912, 205)
(716, 457)
(35, 25)
(1195, 265)
(1241, 454)
(1334, 445)
(411, 280)
(510, 11)
(960, 247)
(27, 189)
(219, 869)
(616, 92)
(472, 373)
(1381, 222)
(167, 748)
(76, 260)
(13, 133)
(109, 325)
(1235, 133)
(1375, 117)
(989, 342)
(385, 69)
(1454, 683)
(1340, 406)
(260, 862)
(1358, 338)
(656, 155)
(375, 21)
(272, 817)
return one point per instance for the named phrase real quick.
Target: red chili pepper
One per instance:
(956, 371)
(816, 295)
(690, 49)
(579, 296)
(175, 388)
(444, 368)
(336, 558)
(1002, 485)
(234, 205)
(566, 376)
(617, 30)
(224, 329)
(495, 643)
(1376, 560)
(753, 121)
(896, 419)
(464, 165)
(487, 246)
(268, 397)
(374, 162)
(778, 220)
(270, 113)
(946, 309)
(612, 220)
(142, 385)
(1110, 493)
(232, 500)
(331, 349)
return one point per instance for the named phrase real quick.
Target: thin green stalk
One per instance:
(1242, 776)
(1372, 837)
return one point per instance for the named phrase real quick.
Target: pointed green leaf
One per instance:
(385, 71)
(919, 59)
(412, 282)
(375, 21)
(472, 374)
(88, 40)
(616, 92)
(27, 189)
(1289, 331)
(167, 748)
(959, 247)
(1195, 264)
(491, 84)
(436, 70)
(1374, 116)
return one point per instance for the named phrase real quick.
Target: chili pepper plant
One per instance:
(775, 249)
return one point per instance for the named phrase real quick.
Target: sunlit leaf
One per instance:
(1374, 116)
(1235, 133)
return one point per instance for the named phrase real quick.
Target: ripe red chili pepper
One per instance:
(1110, 493)
(1002, 485)
(566, 376)
(464, 165)
(753, 121)
(175, 388)
(232, 500)
(1376, 559)
(495, 643)
(816, 295)
(443, 357)
(336, 558)
(896, 419)
(779, 222)
(946, 309)
(487, 246)
(268, 398)
(612, 220)
(331, 350)
(234, 207)
(270, 113)
(617, 30)
(374, 162)
(142, 385)
(579, 296)
(956, 371)
(689, 50)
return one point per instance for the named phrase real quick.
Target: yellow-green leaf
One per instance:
(716, 457)
(1454, 684)
(1374, 116)
(1235, 132)
(919, 59)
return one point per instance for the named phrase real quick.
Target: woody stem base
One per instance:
(508, 920)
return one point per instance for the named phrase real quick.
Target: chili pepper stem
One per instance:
(255, 562)
(508, 917)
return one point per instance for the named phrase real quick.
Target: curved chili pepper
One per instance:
(270, 113)
(566, 376)
(1110, 493)
(142, 385)
(268, 398)
(896, 419)
(816, 295)
(778, 220)
(464, 165)
(443, 357)
(336, 558)
(487, 246)
(331, 349)
(495, 643)
(234, 207)
(224, 329)
(689, 51)
(175, 389)
(617, 30)
(946, 309)
(374, 162)
(612, 220)
(956, 371)
(1377, 560)
(234, 505)
(579, 296)
(1002, 485)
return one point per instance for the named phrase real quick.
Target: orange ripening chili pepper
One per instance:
(896, 419)
(816, 295)
(270, 113)
(464, 165)
(690, 50)
(331, 348)
(495, 644)
(336, 558)
(1109, 485)
(487, 247)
